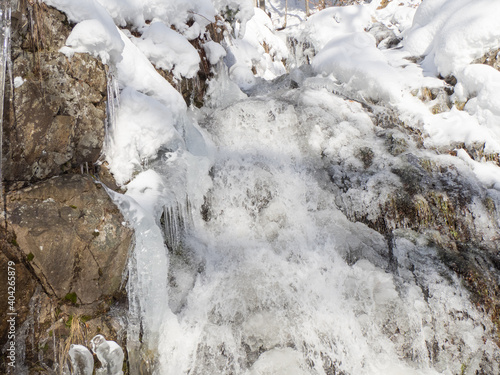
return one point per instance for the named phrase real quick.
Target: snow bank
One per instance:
(456, 127)
(168, 50)
(452, 33)
(170, 12)
(478, 86)
(329, 23)
(355, 60)
(481, 85)
(260, 50)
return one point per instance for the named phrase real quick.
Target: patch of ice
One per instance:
(18, 82)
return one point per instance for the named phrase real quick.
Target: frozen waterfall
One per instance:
(267, 276)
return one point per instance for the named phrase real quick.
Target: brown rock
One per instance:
(73, 235)
(55, 121)
(491, 58)
(24, 282)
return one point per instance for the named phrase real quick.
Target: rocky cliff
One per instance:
(67, 239)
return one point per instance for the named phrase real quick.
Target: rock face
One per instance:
(73, 235)
(25, 282)
(55, 116)
(64, 234)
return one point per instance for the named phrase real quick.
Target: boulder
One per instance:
(73, 235)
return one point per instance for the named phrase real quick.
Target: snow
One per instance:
(455, 127)
(168, 50)
(144, 125)
(214, 51)
(95, 31)
(170, 12)
(249, 53)
(398, 15)
(452, 33)
(486, 172)
(135, 71)
(355, 60)
(481, 83)
(92, 37)
(333, 22)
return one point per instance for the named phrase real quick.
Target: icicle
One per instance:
(112, 105)
(4, 63)
(175, 220)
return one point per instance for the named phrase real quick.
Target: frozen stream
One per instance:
(262, 274)
(248, 258)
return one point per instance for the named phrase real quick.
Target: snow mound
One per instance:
(329, 23)
(95, 32)
(481, 84)
(355, 60)
(457, 127)
(170, 12)
(452, 33)
(168, 50)
(261, 52)
(214, 52)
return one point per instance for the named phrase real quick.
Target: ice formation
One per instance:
(110, 354)
(82, 361)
